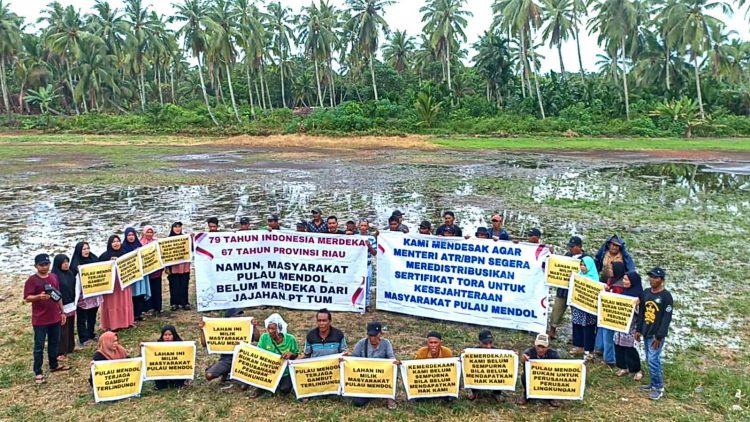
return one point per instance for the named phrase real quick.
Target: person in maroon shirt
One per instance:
(42, 290)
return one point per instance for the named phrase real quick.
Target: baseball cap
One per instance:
(485, 336)
(397, 213)
(245, 220)
(272, 217)
(302, 223)
(481, 230)
(534, 232)
(541, 340)
(374, 328)
(616, 240)
(317, 211)
(229, 313)
(496, 217)
(575, 241)
(434, 334)
(425, 225)
(449, 229)
(657, 272)
(42, 258)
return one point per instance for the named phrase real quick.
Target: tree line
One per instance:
(251, 56)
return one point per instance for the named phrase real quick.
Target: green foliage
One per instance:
(428, 110)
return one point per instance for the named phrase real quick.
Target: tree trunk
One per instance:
(372, 74)
(171, 84)
(85, 105)
(562, 65)
(625, 82)
(265, 81)
(70, 85)
(536, 83)
(698, 85)
(448, 66)
(262, 99)
(205, 94)
(524, 60)
(332, 97)
(158, 86)
(20, 97)
(4, 87)
(262, 88)
(231, 92)
(580, 61)
(249, 90)
(283, 90)
(317, 79)
(666, 66)
(143, 88)
(219, 89)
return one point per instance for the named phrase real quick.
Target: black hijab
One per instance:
(111, 253)
(618, 272)
(636, 286)
(67, 279)
(175, 224)
(130, 246)
(78, 258)
(171, 329)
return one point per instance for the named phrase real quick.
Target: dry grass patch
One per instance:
(325, 142)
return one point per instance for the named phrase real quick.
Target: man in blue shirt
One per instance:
(325, 339)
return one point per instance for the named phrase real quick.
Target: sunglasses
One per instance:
(495, 221)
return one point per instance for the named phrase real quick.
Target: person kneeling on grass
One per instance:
(374, 346)
(108, 348)
(278, 341)
(485, 342)
(540, 350)
(169, 333)
(223, 366)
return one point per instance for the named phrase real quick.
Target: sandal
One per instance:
(39, 380)
(392, 405)
(60, 368)
(621, 372)
(62, 358)
(255, 394)
(638, 375)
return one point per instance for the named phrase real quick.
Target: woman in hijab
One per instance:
(154, 278)
(109, 348)
(179, 278)
(169, 333)
(626, 355)
(584, 323)
(117, 308)
(605, 336)
(141, 289)
(87, 308)
(67, 280)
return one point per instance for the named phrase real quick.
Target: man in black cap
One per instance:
(244, 224)
(213, 224)
(351, 227)
(425, 227)
(485, 342)
(272, 221)
(393, 224)
(434, 348)
(333, 225)
(481, 233)
(653, 325)
(400, 216)
(541, 350)
(42, 290)
(374, 346)
(449, 220)
(575, 250)
(534, 235)
(449, 231)
(302, 226)
(317, 225)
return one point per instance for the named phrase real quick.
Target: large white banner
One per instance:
(280, 268)
(479, 281)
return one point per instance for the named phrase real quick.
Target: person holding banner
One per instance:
(109, 348)
(333, 225)
(372, 248)
(496, 231)
(154, 279)
(67, 281)
(169, 333)
(42, 291)
(605, 336)
(434, 348)
(613, 250)
(272, 221)
(584, 323)
(277, 340)
(425, 228)
(449, 220)
(540, 350)
(86, 309)
(244, 224)
(653, 326)
(317, 225)
(179, 277)
(222, 367)
(325, 339)
(213, 224)
(485, 342)
(141, 289)
(117, 307)
(575, 250)
(374, 346)
(627, 358)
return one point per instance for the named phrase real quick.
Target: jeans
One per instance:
(653, 358)
(605, 342)
(52, 334)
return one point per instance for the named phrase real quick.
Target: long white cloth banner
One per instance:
(280, 268)
(479, 281)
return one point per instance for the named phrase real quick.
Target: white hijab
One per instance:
(278, 320)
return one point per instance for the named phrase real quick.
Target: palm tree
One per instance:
(580, 9)
(399, 50)
(444, 21)
(109, 25)
(493, 61)
(142, 29)
(250, 30)
(44, 96)
(279, 24)
(193, 14)
(65, 39)
(317, 36)
(222, 35)
(560, 24)
(10, 45)
(369, 22)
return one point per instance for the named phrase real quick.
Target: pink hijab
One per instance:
(144, 241)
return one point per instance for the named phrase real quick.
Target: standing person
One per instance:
(276, 340)
(141, 289)
(351, 228)
(575, 250)
(374, 346)
(272, 221)
(626, 355)
(496, 230)
(584, 323)
(302, 226)
(449, 232)
(117, 307)
(333, 225)
(169, 333)
(109, 348)
(372, 251)
(179, 277)
(67, 281)
(244, 224)
(89, 307)
(540, 350)
(393, 224)
(154, 279)
(325, 339)
(613, 250)
(317, 225)
(449, 220)
(434, 348)
(605, 336)
(213, 224)
(425, 228)
(653, 325)
(400, 217)
(485, 342)
(43, 292)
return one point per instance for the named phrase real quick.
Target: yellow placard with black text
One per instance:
(319, 376)
(97, 279)
(489, 369)
(257, 367)
(168, 360)
(584, 293)
(224, 334)
(367, 377)
(150, 258)
(129, 268)
(425, 378)
(117, 379)
(175, 250)
(557, 379)
(559, 268)
(616, 311)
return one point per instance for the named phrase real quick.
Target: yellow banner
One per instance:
(117, 379)
(431, 377)
(97, 279)
(559, 379)
(489, 369)
(167, 360)
(175, 250)
(364, 377)
(584, 293)
(129, 268)
(223, 334)
(317, 376)
(559, 269)
(257, 367)
(150, 258)
(616, 311)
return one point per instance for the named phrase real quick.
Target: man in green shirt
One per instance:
(277, 340)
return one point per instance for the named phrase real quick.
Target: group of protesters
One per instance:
(58, 305)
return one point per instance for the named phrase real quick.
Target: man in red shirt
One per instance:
(42, 290)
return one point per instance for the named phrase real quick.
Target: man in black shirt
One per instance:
(333, 225)
(540, 350)
(449, 219)
(317, 225)
(653, 325)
